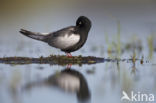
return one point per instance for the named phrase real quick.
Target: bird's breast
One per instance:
(67, 41)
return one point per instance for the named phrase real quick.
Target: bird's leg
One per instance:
(69, 55)
(68, 66)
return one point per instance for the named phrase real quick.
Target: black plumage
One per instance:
(68, 39)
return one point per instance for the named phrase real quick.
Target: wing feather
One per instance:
(64, 38)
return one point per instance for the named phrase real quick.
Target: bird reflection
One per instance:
(68, 80)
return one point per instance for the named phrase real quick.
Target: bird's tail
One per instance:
(33, 35)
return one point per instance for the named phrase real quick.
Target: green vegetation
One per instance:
(53, 60)
(150, 45)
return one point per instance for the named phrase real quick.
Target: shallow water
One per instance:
(102, 82)
(121, 30)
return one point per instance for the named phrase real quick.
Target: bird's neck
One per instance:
(84, 29)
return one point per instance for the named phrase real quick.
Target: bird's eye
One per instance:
(80, 23)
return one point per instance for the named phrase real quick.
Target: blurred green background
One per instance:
(125, 27)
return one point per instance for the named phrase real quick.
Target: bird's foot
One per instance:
(68, 66)
(69, 55)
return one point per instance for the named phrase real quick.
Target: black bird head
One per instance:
(83, 22)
